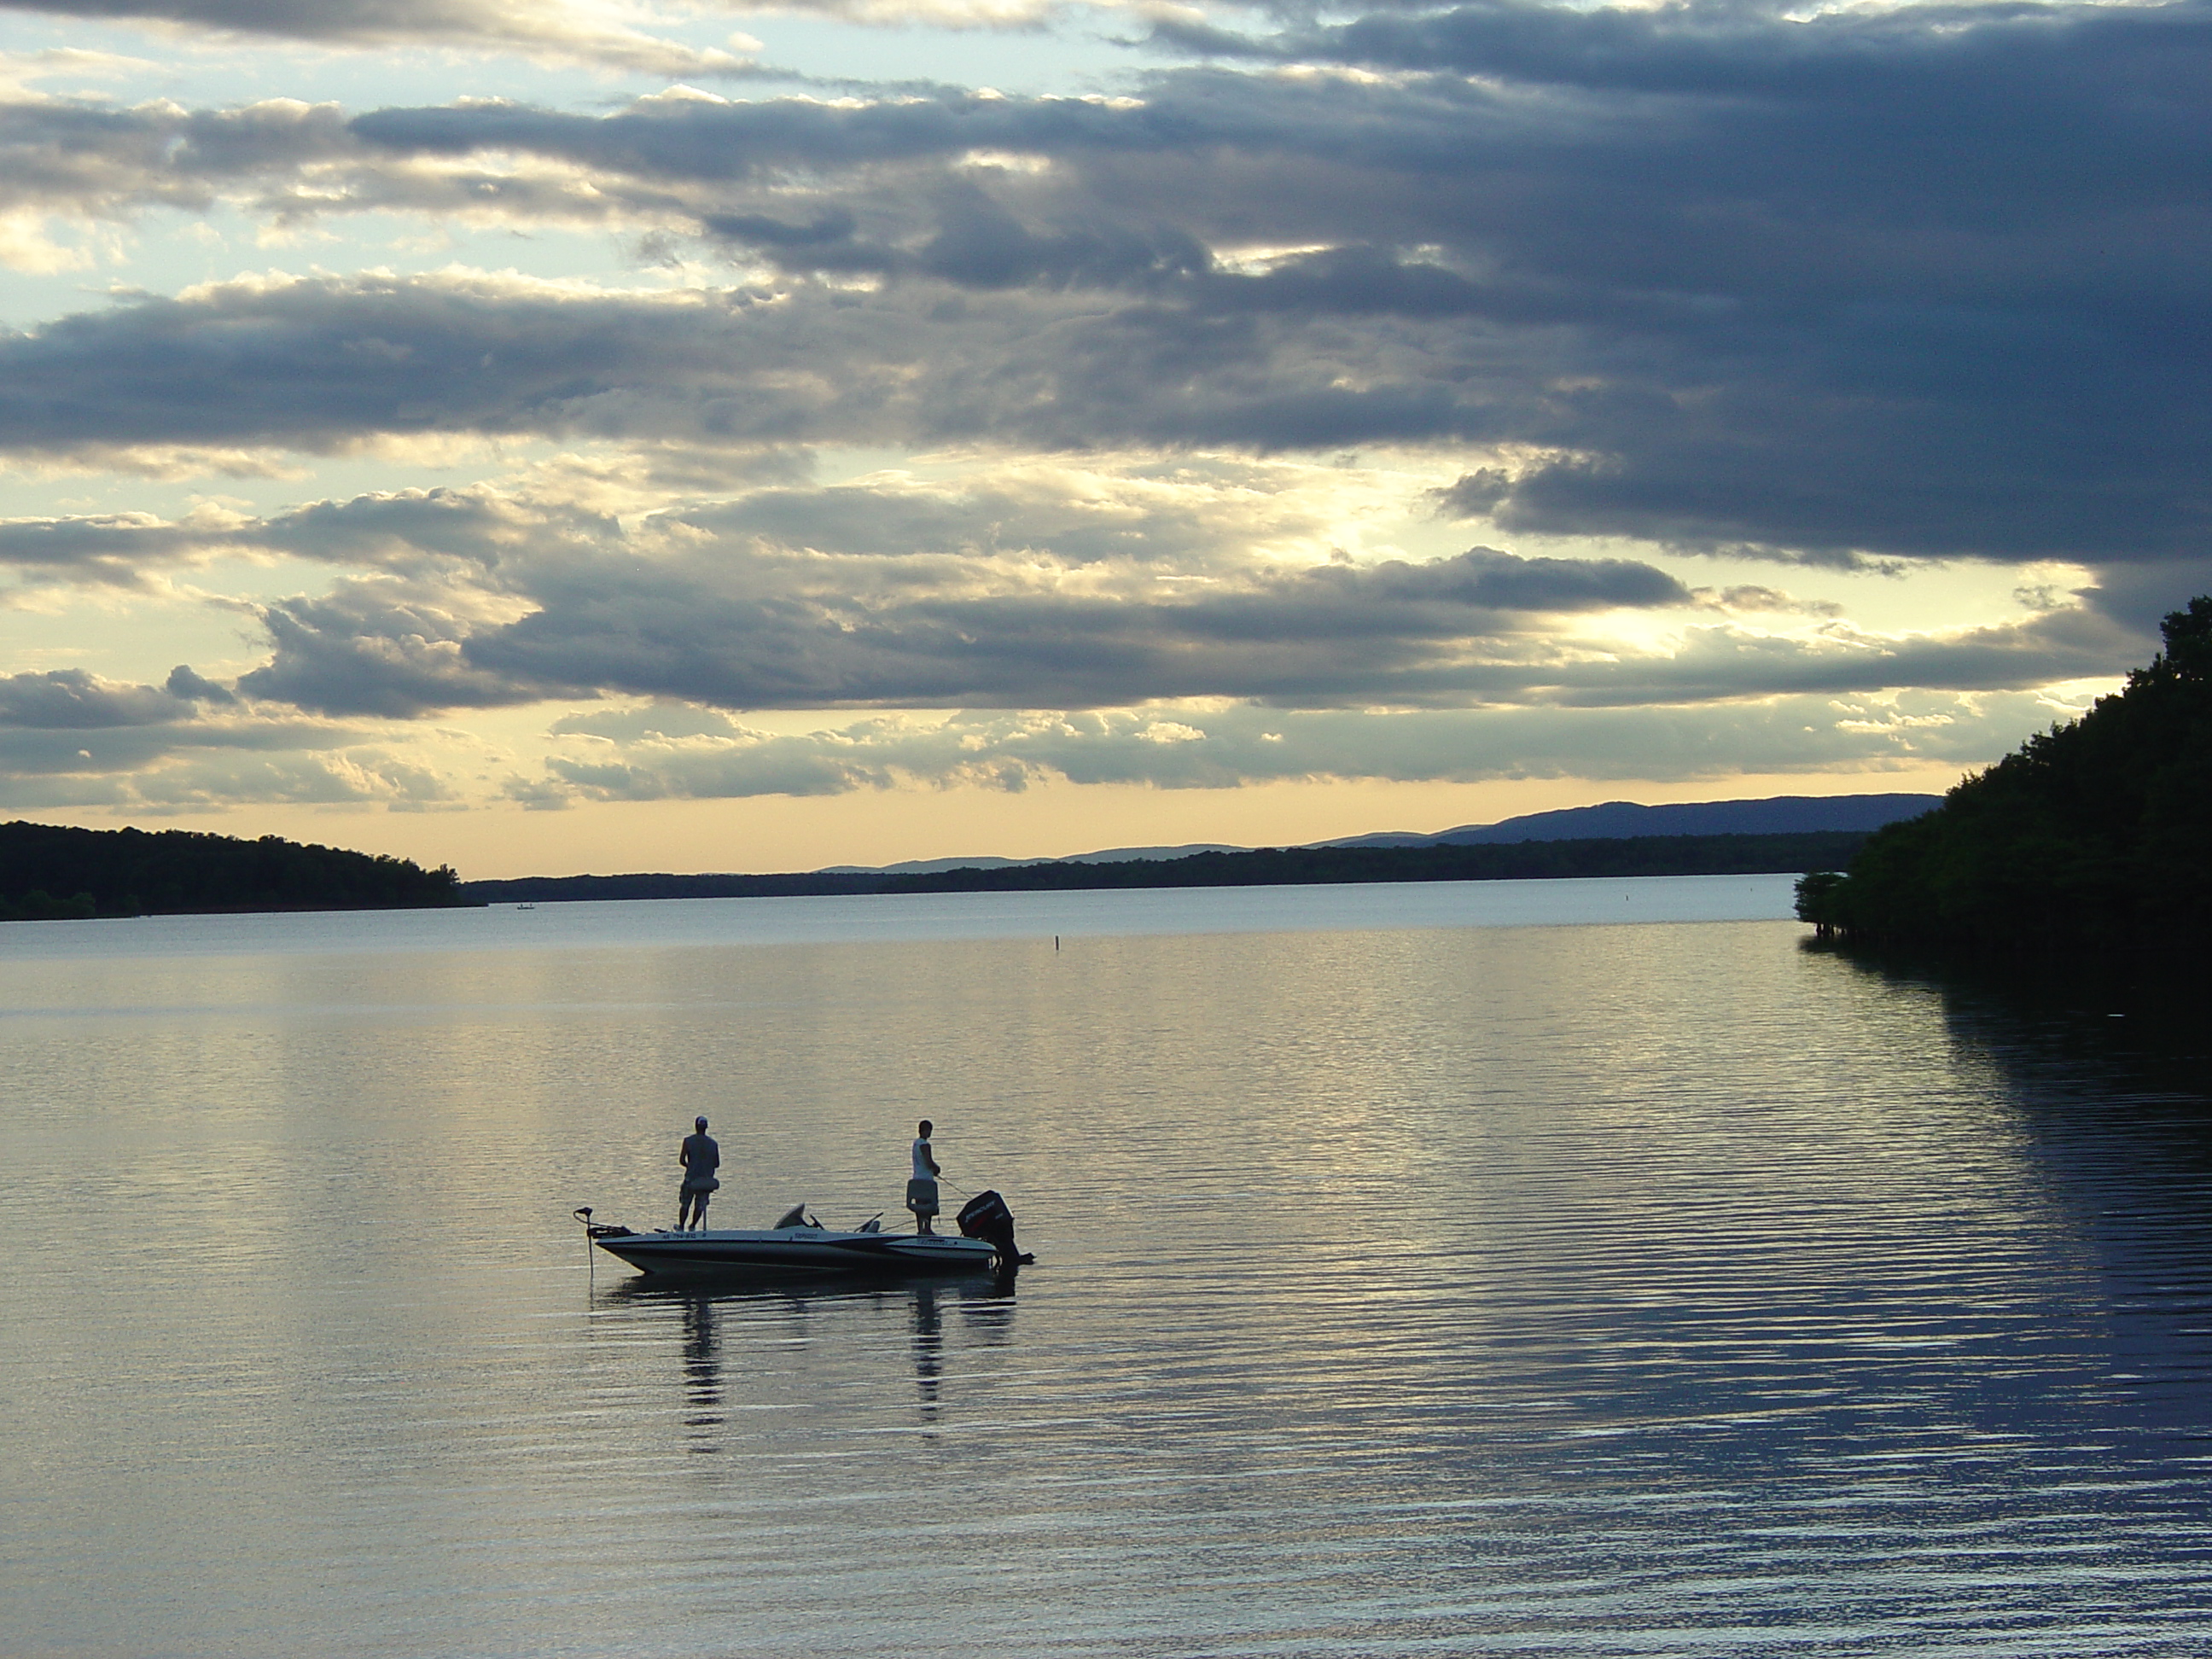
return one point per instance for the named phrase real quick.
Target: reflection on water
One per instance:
(929, 1349)
(799, 1314)
(2111, 1084)
(1636, 1290)
(702, 1367)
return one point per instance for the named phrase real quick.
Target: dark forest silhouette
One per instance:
(52, 873)
(2093, 839)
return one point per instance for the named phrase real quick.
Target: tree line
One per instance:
(1520, 861)
(1271, 866)
(50, 872)
(2091, 840)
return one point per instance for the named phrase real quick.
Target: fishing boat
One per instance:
(799, 1246)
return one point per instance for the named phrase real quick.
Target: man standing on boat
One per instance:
(700, 1158)
(921, 1191)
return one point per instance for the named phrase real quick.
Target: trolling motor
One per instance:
(986, 1217)
(600, 1228)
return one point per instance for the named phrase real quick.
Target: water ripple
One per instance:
(1629, 1290)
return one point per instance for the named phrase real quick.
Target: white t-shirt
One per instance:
(921, 1169)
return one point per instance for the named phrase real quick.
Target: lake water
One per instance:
(1520, 1268)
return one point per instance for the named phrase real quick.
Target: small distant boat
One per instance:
(798, 1246)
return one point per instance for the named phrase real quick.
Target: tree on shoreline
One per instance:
(55, 872)
(2092, 839)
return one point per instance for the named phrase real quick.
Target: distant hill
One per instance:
(1621, 820)
(52, 873)
(1110, 855)
(2093, 840)
(1787, 833)
(1616, 820)
(1645, 855)
(1277, 866)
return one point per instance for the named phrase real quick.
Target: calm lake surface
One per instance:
(1508, 1267)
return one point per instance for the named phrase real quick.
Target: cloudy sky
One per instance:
(546, 436)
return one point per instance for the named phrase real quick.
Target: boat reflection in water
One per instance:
(764, 1336)
(985, 1311)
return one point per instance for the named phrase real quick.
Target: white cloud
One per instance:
(1190, 747)
(1665, 291)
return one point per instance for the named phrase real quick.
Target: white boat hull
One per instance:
(798, 1252)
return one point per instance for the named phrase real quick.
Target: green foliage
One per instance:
(39, 905)
(1818, 895)
(124, 873)
(2091, 838)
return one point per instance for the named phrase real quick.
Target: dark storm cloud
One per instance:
(190, 687)
(1041, 590)
(828, 617)
(70, 700)
(545, 29)
(320, 364)
(305, 18)
(98, 159)
(1483, 576)
(810, 634)
(2141, 596)
(410, 529)
(115, 550)
(70, 739)
(1922, 282)
(701, 140)
(1917, 283)
(416, 527)
(1074, 522)
(362, 652)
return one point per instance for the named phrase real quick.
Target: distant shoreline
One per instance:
(1641, 855)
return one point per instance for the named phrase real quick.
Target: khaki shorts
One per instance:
(921, 1197)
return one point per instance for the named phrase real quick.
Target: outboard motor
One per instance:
(986, 1217)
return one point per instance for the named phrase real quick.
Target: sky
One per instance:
(556, 435)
